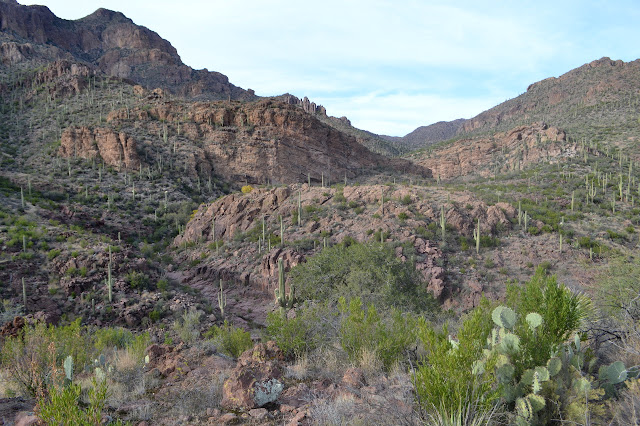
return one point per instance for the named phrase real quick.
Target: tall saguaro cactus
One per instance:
(476, 237)
(443, 222)
(284, 301)
(222, 300)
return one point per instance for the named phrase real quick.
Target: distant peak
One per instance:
(106, 15)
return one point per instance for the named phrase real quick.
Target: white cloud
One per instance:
(397, 114)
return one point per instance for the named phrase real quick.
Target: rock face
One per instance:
(238, 218)
(115, 149)
(255, 381)
(117, 46)
(259, 142)
(306, 104)
(499, 153)
(12, 328)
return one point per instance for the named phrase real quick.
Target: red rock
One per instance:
(254, 381)
(26, 419)
(12, 328)
(228, 418)
(115, 149)
(258, 413)
(353, 377)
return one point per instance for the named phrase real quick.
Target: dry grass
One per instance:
(328, 363)
(300, 369)
(370, 363)
(340, 411)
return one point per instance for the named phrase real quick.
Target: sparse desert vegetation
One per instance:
(227, 259)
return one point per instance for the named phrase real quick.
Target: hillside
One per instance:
(110, 42)
(597, 102)
(424, 136)
(203, 256)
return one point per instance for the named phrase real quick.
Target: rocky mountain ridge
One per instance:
(584, 102)
(115, 45)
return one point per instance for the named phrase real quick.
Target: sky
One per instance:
(389, 66)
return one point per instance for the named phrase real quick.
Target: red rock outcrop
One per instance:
(256, 379)
(238, 217)
(12, 328)
(501, 152)
(115, 149)
(258, 142)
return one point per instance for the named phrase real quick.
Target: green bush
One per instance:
(562, 312)
(187, 326)
(475, 367)
(307, 331)
(137, 280)
(362, 329)
(63, 407)
(29, 358)
(231, 341)
(369, 271)
(291, 335)
(111, 337)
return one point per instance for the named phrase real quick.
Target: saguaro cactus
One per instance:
(284, 301)
(476, 237)
(443, 223)
(222, 300)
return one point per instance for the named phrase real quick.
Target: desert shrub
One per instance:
(369, 271)
(30, 357)
(289, 334)
(62, 406)
(137, 280)
(246, 189)
(231, 341)
(533, 230)
(365, 330)
(187, 326)
(162, 284)
(444, 377)
(301, 334)
(562, 312)
(491, 357)
(406, 200)
(111, 337)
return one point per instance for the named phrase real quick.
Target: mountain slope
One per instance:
(118, 47)
(597, 102)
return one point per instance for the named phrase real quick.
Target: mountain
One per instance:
(597, 102)
(220, 258)
(114, 45)
(423, 136)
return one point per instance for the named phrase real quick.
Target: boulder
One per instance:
(255, 381)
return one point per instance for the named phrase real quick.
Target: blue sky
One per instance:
(389, 66)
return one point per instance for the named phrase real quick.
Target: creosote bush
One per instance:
(231, 341)
(370, 271)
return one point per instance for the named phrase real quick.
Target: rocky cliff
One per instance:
(499, 153)
(113, 43)
(256, 142)
(115, 149)
(238, 224)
